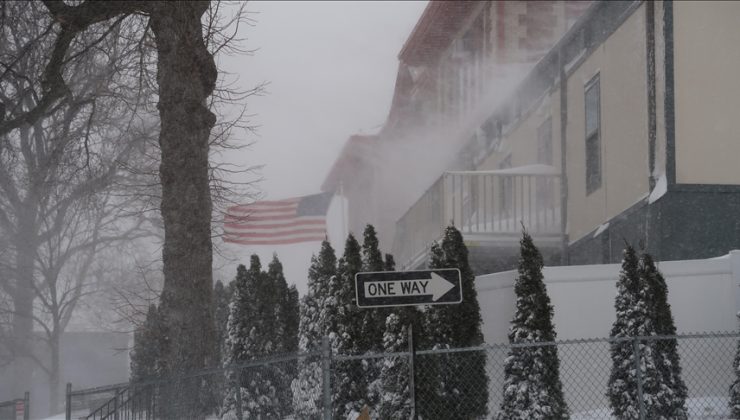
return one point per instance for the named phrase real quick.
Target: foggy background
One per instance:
(331, 69)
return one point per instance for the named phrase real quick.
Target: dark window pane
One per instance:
(593, 163)
(593, 135)
(592, 107)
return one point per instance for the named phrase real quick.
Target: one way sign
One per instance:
(404, 288)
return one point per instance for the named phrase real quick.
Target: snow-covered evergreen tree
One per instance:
(279, 312)
(673, 402)
(395, 393)
(734, 401)
(149, 339)
(221, 299)
(390, 263)
(373, 320)
(276, 293)
(634, 319)
(460, 387)
(250, 329)
(291, 308)
(532, 387)
(350, 383)
(316, 320)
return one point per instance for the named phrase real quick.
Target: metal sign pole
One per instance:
(68, 404)
(26, 405)
(412, 382)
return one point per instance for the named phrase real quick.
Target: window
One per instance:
(593, 135)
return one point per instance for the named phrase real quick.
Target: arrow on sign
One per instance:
(436, 286)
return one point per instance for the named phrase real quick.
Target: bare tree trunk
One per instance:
(186, 75)
(54, 372)
(23, 304)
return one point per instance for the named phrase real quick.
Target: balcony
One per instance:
(489, 208)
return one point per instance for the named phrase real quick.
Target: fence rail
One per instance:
(454, 383)
(487, 204)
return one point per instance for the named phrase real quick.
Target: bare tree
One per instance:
(64, 264)
(70, 40)
(61, 158)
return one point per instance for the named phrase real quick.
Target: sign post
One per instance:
(412, 378)
(408, 288)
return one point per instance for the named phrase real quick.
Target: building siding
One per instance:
(707, 63)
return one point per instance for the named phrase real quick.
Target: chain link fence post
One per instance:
(326, 381)
(116, 398)
(68, 403)
(26, 405)
(638, 373)
(238, 396)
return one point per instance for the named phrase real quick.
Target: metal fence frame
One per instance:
(122, 403)
(26, 401)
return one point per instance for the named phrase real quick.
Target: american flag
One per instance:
(280, 222)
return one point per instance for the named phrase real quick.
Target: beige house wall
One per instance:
(620, 63)
(622, 67)
(707, 112)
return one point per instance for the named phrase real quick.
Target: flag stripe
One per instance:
(287, 209)
(270, 218)
(275, 241)
(278, 203)
(266, 220)
(249, 226)
(275, 234)
(262, 212)
(276, 224)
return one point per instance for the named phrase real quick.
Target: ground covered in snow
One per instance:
(704, 408)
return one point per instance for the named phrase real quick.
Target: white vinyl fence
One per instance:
(704, 296)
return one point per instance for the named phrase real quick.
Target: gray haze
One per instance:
(331, 68)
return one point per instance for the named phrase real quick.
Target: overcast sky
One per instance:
(331, 68)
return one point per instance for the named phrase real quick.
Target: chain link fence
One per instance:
(431, 384)
(17, 409)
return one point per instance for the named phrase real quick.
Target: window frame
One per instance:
(592, 139)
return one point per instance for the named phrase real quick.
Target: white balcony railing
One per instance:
(487, 206)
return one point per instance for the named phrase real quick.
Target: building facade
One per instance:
(618, 127)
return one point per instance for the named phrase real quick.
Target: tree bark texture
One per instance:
(186, 75)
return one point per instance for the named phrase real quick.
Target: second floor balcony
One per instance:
(488, 207)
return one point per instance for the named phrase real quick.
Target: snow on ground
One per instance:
(702, 408)
(75, 415)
